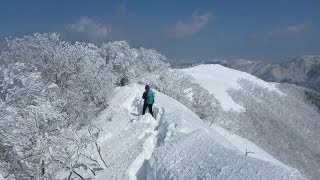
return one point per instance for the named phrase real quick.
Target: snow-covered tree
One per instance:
(271, 118)
(51, 91)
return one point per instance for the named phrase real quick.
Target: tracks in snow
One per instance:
(157, 134)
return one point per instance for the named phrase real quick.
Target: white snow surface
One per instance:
(176, 144)
(218, 79)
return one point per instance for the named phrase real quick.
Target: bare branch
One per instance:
(99, 152)
(69, 177)
(78, 175)
(92, 159)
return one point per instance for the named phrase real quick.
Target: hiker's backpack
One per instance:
(150, 97)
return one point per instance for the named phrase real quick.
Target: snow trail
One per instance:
(139, 164)
(142, 147)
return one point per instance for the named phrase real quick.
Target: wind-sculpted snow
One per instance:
(285, 124)
(174, 145)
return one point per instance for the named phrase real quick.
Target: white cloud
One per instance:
(190, 26)
(296, 28)
(292, 29)
(90, 28)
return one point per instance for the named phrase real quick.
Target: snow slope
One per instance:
(174, 145)
(281, 120)
(219, 79)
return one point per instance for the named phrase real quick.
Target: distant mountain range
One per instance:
(302, 71)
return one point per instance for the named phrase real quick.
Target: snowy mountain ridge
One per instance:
(218, 80)
(303, 71)
(73, 111)
(142, 147)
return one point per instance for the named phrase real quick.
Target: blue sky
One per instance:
(188, 29)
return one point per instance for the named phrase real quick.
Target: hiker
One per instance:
(148, 97)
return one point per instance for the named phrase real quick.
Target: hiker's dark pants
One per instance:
(145, 106)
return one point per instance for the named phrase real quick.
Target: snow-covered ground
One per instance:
(176, 144)
(279, 119)
(218, 79)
